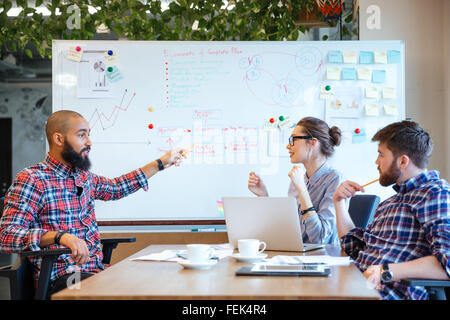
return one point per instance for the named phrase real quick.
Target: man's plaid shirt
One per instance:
(44, 198)
(412, 224)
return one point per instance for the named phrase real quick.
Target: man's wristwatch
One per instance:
(58, 236)
(160, 164)
(386, 274)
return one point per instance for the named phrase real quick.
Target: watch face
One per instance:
(386, 276)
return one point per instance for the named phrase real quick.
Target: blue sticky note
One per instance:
(348, 74)
(335, 57)
(359, 137)
(393, 56)
(366, 57)
(378, 76)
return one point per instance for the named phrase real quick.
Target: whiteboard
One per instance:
(147, 97)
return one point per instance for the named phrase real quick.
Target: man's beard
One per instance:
(74, 158)
(391, 175)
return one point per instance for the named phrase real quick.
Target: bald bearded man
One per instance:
(52, 202)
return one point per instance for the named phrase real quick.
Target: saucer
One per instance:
(257, 258)
(198, 266)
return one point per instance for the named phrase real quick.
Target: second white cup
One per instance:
(250, 247)
(198, 253)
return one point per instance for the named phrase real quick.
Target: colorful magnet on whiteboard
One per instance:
(150, 109)
(150, 126)
(78, 48)
(272, 120)
(327, 87)
(110, 69)
(357, 131)
(281, 118)
(110, 52)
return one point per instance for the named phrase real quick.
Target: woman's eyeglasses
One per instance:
(292, 139)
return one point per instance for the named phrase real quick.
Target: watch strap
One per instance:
(308, 210)
(160, 164)
(58, 236)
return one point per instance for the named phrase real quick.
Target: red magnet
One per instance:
(357, 130)
(272, 120)
(150, 126)
(78, 48)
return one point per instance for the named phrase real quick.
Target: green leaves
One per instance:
(245, 20)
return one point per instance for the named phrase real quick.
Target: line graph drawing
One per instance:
(106, 122)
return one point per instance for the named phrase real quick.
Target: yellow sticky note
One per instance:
(391, 109)
(389, 93)
(111, 57)
(380, 57)
(349, 57)
(74, 54)
(371, 92)
(371, 110)
(333, 73)
(363, 74)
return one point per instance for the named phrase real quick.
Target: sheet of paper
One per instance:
(350, 57)
(391, 109)
(91, 80)
(333, 73)
(378, 76)
(380, 57)
(328, 260)
(219, 251)
(74, 55)
(371, 110)
(366, 57)
(389, 93)
(348, 74)
(363, 74)
(371, 92)
(393, 56)
(334, 56)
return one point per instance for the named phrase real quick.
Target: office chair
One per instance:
(362, 208)
(20, 274)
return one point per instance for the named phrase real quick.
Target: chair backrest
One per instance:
(362, 208)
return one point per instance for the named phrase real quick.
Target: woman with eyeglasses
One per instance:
(311, 143)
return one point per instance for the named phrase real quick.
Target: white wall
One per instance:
(425, 28)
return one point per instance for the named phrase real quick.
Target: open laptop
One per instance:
(272, 220)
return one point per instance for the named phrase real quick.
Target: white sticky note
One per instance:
(371, 110)
(380, 57)
(74, 54)
(326, 96)
(371, 92)
(111, 57)
(391, 109)
(285, 124)
(389, 93)
(363, 74)
(333, 73)
(323, 89)
(350, 57)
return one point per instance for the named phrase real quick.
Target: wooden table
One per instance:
(169, 280)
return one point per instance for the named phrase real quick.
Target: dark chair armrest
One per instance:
(45, 253)
(111, 243)
(117, 240)
(425, 283)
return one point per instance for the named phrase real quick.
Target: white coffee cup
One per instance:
(250, 247)
(198, 253)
